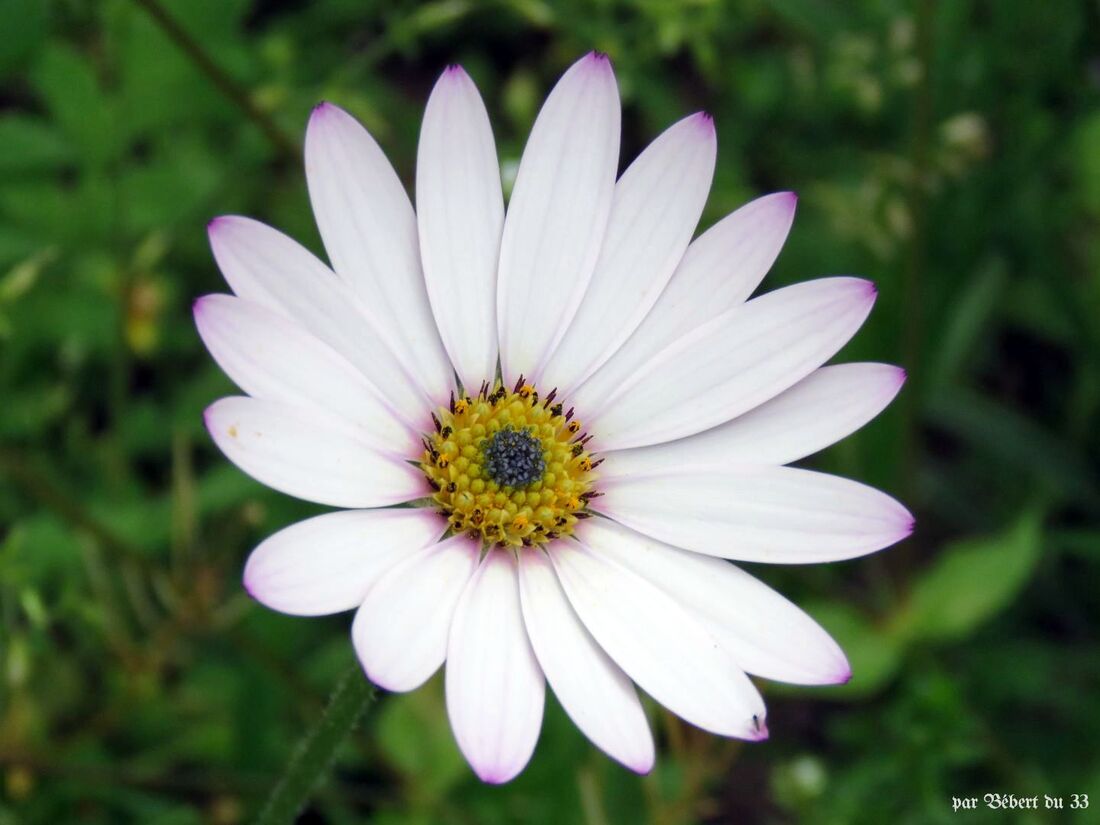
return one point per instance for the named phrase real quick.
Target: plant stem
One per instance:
(218, 76)
(913, 300)
(313, 757)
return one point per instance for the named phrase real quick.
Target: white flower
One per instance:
(538, 549)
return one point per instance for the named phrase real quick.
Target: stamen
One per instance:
(507, 468)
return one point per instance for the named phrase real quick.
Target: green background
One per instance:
(949, 151)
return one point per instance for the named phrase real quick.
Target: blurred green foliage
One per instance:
(948, 150)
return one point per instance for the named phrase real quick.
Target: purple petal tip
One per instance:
(493, 778)
(760, 730)
(208, 415)
(323, 109)
(705, 122)
(596, 60)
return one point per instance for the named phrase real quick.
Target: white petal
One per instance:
(735, 362)
(596, 694)
(460, 213)
(765, 633)
(557, 215)
(819, 410)
(666, 650)
(719, 271)
(369, 230)
(779, 515)
(310, 455)
(265, 267)
(495, 690)
(400, 632)
(656, 207)
(327, 563)
(271, 357)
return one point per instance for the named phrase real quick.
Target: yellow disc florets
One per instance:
(508, 466)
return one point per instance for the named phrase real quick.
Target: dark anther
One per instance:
(534, 398)
(551, 535)
(452, 401)
(513, 458)
(518, 384)
(435, 421)
(577, 450)
(446, 431)
(569, 414)
(433, 454)
(583, 515)
(597, 464)
(433, 484)
(451, 487)
(555, 411)
(553, 394)
(526, 541)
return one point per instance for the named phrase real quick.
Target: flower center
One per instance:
(509, 468)
(513, 458)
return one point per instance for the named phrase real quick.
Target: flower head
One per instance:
(584, 412)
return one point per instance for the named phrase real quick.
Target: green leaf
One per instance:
(971, 581)
(1087, 146)
(30, 144)
(1017, 443)
(413, 734)
(71, 91)
(25, 24)
(967, 323)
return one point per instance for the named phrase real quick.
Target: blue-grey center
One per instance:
(513, 458)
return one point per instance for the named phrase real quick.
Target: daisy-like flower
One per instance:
(580, 411)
